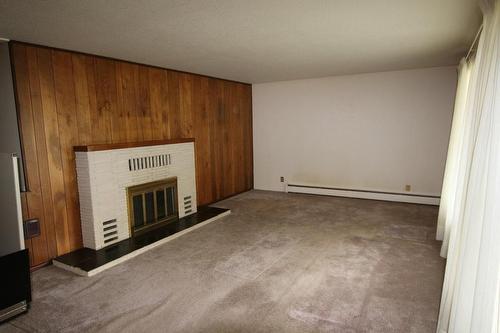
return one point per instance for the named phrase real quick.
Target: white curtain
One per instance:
(471, 289)
(451, 181)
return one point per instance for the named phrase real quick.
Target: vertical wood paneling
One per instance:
(228, 141)
(82, 98)
(97, 124)
(41, 188)
(105, 87)
(202, 133)
(62, 66)
(34, 204)
(186, 105)
(173, 99)
(54, 156)
(211, 123)
(144, 104)
(127, 100)
(219, 125)
(159, 109)
(67, 99)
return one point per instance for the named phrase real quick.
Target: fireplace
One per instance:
(128, 189)
(152, 205)
(134, 197)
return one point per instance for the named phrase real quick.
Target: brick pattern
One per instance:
(103, 177)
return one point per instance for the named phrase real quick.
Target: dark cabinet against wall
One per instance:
(67, 99)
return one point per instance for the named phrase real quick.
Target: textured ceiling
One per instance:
(253, 41)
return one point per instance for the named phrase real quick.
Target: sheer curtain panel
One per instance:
(470, 297)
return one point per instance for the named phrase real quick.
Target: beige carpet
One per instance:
(280, 263)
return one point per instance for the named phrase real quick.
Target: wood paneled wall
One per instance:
(67, 99)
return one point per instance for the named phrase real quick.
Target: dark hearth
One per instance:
(88, 259)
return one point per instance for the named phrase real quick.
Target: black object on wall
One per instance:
(31, 228)
(9, 127)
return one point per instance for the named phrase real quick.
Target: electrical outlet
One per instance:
(282, 179)
(407, 188)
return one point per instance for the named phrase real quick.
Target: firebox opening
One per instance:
(152, 204)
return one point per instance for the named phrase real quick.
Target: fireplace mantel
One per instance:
(123, 145)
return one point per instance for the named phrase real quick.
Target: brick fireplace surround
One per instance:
(104, 173)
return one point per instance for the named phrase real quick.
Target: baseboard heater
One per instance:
(364, 194)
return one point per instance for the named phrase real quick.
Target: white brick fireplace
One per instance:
(104, 172)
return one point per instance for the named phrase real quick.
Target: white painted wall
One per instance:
(377, 131)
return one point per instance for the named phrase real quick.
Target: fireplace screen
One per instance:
(152, 204)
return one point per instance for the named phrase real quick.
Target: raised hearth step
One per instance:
(88, 262)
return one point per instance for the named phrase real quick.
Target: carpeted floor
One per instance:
(279, 263)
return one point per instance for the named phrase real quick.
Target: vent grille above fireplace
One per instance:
(148, 162)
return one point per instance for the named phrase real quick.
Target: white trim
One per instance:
(364, 194)
(18, 201)
(137, 252)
